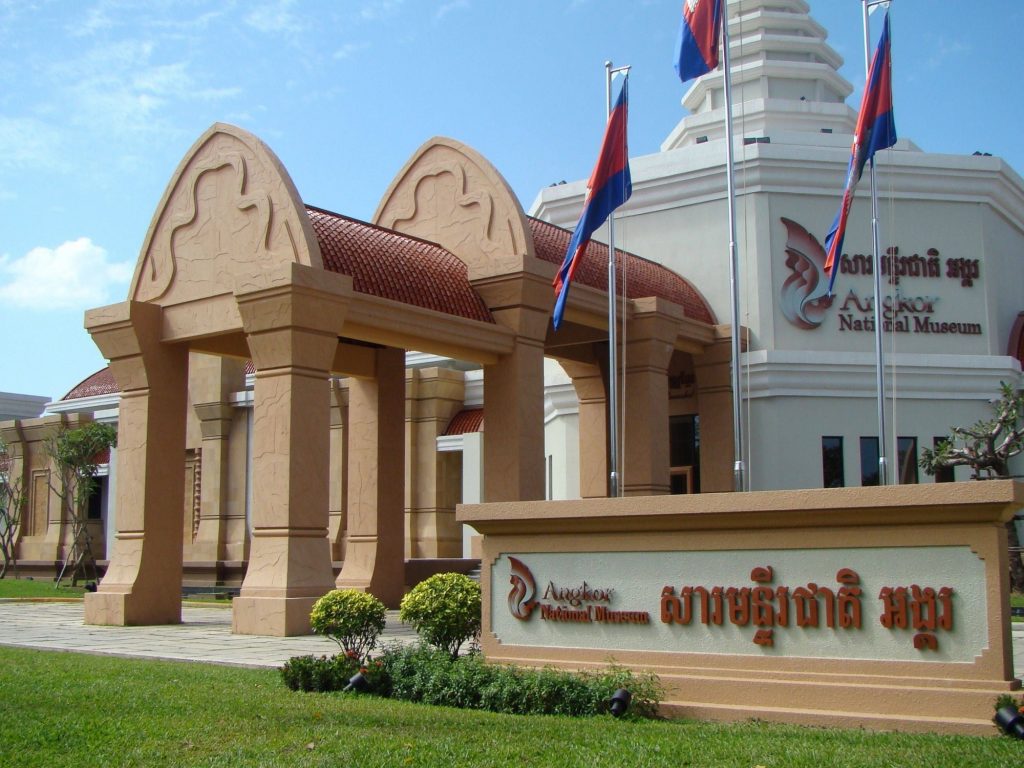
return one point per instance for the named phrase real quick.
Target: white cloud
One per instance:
(348, 50)
(28, 143)
(447, 8)
(77, 274)
(380, 9)
(274, 17)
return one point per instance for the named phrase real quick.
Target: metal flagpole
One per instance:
(883, 478)
(614, 475)
(739, 471)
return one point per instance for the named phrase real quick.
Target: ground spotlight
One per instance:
(357, 682)
(620, 702)
(1010, 721)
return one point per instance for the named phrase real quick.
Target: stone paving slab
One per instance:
(204, 635)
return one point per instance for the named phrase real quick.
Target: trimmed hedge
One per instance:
(432, 676)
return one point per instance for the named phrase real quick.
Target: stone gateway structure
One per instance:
(236, 267)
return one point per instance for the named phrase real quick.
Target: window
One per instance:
(684, 453)
(869, 461)
(906, 450)
(832, 462)
(944, 475)
(94, 508)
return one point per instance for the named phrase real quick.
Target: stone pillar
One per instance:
(593, 425)
(714, 406)
(433, 397)
(374, 544)
(338, 502)
(652, 333)
(211, 382)
(292, 332)
(43, 504)
(514, 389)
(143, 580)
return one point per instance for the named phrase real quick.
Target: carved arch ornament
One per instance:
(451, 195)
(229, 214)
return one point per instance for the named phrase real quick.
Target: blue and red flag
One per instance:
(876, 129)
(609, 187)
(697, 46)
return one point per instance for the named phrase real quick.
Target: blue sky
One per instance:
(100, 100)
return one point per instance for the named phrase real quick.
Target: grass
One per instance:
(35, 589)
(72, 709)
(32, 588)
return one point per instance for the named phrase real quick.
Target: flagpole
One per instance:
(883, 478)
(614, 476)
(739, 470)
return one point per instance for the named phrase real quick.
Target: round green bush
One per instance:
(444, 610)
(352, 619)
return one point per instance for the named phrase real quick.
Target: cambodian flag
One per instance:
(697, 47)
(608, 188)
(876, 129)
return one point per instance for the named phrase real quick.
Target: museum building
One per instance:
(336, 387)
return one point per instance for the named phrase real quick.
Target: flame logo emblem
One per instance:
(524, 588)
(804, 296)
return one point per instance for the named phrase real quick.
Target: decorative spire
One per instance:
(785, 79)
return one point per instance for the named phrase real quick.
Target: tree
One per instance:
(13, 500)
(987, 447)
(77, 453)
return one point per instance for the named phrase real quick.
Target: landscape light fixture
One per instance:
(620, 702)
(1010, 722)
(357, 683)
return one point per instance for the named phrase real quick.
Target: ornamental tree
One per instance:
(987, 446)
(77, 454)
(13, 500)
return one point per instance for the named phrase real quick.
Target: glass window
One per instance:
(906, 449)
(944, 475)
(832, 462)
(869, 461)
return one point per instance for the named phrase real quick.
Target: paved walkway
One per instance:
(204, 635)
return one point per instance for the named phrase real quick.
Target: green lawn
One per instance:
(71, 709)
(31, 588)
(34, 589)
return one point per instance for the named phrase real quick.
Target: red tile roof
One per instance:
(398, 267)
(100, 383)
(645, 278)
(466, 421)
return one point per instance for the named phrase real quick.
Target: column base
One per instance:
(123, 609)
(273, 616)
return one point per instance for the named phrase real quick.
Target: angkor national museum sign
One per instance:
(881, 607)
(805, 302)
(865, 603)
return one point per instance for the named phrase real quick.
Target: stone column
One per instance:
(338, 502)
(292, 332)
(593, 424)
(714, 406)
(211, 383)
(374, 544)
(433, 397)
(514, 389)
(652, 333)
(143, 581)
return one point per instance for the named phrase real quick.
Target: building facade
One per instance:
(952, 235)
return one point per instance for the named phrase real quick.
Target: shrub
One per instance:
(433, 676)
(318, 673)
(444, 610)
(352, 619)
